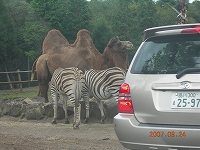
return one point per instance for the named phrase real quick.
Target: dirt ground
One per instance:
(16, 134)
(22, 134)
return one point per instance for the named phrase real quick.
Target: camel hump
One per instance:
(53, 42)
(83, 33)
(83, 39)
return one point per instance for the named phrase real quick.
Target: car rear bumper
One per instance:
(133, 135)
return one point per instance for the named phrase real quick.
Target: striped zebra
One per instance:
(67, 82)
(102, 85)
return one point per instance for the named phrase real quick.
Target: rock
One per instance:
(111, 107)
(34, 113)
(37, 109)
(48, 108)
(38, 99)
(12, 107)
(27, 100)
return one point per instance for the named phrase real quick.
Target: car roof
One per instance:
(151, 31)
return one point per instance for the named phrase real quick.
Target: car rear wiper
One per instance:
(187, 70)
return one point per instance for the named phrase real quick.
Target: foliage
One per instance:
(166, 2)
(68, 16)
(33, 34)
(193, 12)
(8, 46)
(30, 31)
(144, 17)
(101, 36)
(100, 24)
(25, 23)
(166, 15)
(50, 11)
(122, 19)
(78, 17)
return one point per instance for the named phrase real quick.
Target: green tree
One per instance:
(77, 17)
(143, 16)
(67, 16)
(122, 19)
(8, 45)
(166, 2)
(101, 35)
(193, 12)
(49, 10)
(33, 34)
(18, 10)
(166, 15)
(30, 31)
(100, 23)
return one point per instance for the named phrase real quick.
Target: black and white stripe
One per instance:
(67, 82)
(102, 85)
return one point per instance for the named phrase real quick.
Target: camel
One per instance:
(54, 42)
(82, 54)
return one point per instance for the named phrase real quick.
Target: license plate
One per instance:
(185, 100)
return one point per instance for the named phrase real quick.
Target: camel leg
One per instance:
(65, 99)
(103, 117)
(43, 76)
(55, 108)
(43, 91)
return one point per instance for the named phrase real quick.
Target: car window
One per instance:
(168, 54)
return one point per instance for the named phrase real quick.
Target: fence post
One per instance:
(19, 78)
(7, 75)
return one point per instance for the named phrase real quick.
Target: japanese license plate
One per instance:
(185, 100)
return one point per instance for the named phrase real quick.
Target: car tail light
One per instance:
(124, 102)
(196, 29)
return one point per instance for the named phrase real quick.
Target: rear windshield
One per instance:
(168, 54)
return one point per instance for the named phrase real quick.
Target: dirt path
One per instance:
(42, 135)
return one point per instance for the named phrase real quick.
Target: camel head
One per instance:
(116, 53)
(119, 46)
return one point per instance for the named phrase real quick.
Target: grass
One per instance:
(29, 92)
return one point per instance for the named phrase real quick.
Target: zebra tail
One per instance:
(78, 88)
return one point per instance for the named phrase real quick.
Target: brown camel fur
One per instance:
(54, 42)
(81, 54)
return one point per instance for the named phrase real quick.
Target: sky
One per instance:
(190, 1)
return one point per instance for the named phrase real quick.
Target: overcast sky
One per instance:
(190, 1)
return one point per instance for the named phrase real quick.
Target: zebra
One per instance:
(67, 82)
(102, 85)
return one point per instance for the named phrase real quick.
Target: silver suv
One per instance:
(159, 102)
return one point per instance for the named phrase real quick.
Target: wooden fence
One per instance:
(18, 72)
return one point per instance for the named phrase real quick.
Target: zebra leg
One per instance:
(77, 117)
(87, 109)
(65, 99)
(103, 117)
(55, 107)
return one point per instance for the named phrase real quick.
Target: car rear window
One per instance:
(168, 54)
